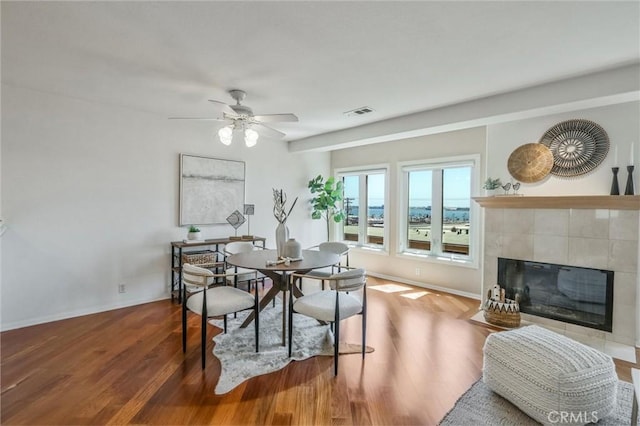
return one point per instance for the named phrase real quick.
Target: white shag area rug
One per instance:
(236, 349)
(480, 406)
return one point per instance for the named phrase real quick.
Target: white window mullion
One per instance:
(403, 216)
(363, 214)
(436, 212)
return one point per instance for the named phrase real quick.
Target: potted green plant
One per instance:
(325, 203)
(194, 233)
(491, 184)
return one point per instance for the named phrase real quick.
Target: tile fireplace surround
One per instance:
(595, 232)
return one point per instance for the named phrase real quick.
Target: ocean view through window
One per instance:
(364, 206)
(456, 195)
(436, 208)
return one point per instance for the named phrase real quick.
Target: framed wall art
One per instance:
(210, 188)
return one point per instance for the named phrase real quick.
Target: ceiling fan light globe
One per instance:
(226, 135)
(251, 137)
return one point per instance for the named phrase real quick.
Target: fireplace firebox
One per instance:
(582, 296)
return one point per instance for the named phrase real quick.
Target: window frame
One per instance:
(438, 256)
(363, 171)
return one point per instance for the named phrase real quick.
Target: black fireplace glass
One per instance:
(572, 294)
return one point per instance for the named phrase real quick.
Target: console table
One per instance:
(178, 248)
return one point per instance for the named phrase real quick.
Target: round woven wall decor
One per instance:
(530, 163)
(578, 147)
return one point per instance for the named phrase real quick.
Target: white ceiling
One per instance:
(314, 59)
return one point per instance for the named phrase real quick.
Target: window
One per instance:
(437, 212)
(419, 218)
(365, 207)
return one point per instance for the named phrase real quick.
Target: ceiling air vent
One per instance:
(359, 111)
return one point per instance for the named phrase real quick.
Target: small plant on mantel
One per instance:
(491, 184)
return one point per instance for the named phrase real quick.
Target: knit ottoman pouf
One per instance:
(550, 377)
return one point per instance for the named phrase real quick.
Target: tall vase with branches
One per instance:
(281, 214)
(327, 196)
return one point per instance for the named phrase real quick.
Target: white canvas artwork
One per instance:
(210, 189)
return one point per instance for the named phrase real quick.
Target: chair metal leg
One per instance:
(336, 335)
(364, 321)
(235, 285)
(184, 322)
(256, 321)
(336, 349)
(364, 333)
(203, 340)
(290, 331)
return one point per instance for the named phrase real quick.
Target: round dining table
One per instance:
(264, 261)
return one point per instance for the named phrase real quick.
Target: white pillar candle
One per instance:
(615, 156)
(632, 153)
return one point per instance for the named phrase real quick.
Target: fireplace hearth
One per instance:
(577, 295)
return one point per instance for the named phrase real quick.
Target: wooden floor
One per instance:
(127, 367)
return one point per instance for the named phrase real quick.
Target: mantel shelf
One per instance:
(611, 202)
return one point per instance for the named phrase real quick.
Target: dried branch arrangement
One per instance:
(279, 205)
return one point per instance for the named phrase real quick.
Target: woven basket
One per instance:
(503, 314)
(205, 257)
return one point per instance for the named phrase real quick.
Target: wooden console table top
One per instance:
(215, 241)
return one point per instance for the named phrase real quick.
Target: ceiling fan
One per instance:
(241, 117)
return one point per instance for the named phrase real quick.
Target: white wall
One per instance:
(90, 199)
(622, 124)
(457, 279)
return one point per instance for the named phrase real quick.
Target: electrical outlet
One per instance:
(122, 288)
(417, 271)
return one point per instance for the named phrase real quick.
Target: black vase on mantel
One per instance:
(629, 188)
(615, 190)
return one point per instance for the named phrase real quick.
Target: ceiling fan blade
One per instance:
(225, 117)
(199, 118)
(267, 131)
(231, 116)
(272, 118)
(223, 106)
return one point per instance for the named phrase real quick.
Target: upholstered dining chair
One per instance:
(341, 249)
(347, 297)
(213, 301)
(243, 274)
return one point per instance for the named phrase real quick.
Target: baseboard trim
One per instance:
(78, 313)
(98, 309)
(426, 285)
